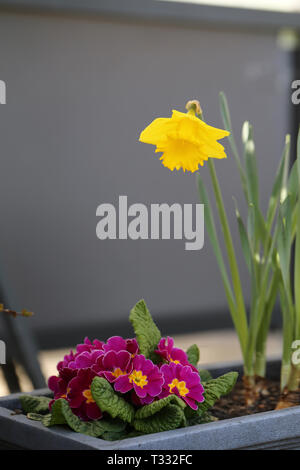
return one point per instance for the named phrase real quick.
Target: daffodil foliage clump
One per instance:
(128, 387)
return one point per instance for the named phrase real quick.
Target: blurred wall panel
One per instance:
(79, 91)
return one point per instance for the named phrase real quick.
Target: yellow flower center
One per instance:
(65, 394)
(175, 362)
(181, 387)
(117, 372)
(138, 378)
(88, 396)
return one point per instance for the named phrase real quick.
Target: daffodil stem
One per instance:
(241, 322)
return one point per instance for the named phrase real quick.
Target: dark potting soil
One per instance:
(233, 405)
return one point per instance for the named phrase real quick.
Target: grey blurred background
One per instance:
(83, 79)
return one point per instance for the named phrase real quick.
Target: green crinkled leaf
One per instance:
(197, 417)
(134, 433)
(47, 420)
(56, 416)
(108, 400)
(205, 375)
(114, 436)
(170, 417)
(156, 406)
(215, 388)
(37, 416)
(113, 425)
(32, 404)
(193, 354)
(147, 333)
(61, 413)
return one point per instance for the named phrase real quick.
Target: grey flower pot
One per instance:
(270, 430)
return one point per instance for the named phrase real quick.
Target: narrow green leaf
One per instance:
(297, 250)
(250, 164)
(108, 400)
(193, 354)
(212, 233)
(147, 333)
(262, 232)
(245, 242)
(228, 126)
(284, 241)
(278, 183)
(293, 186)
(240, 319)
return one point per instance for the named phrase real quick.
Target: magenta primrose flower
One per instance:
(113, 365)
(145, 379)
(80, 397)
(89, 346)
(166, 350)
(117, 343)
(86, 359)
(66, 361)
(183, 382)
(137, 401)
(59, 385)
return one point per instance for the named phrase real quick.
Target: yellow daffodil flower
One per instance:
(185, 140)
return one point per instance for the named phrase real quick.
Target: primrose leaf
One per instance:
(32, 404)
(56, 416)
(215, 388)
(115, 426)
(156, 406)
(193, 354)
(61, 413)
(108, 400)
(197, 417)
(114, 436)
(169, 417)
(147, 333)
(48, 420)
(205, 375)
(36, 416)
